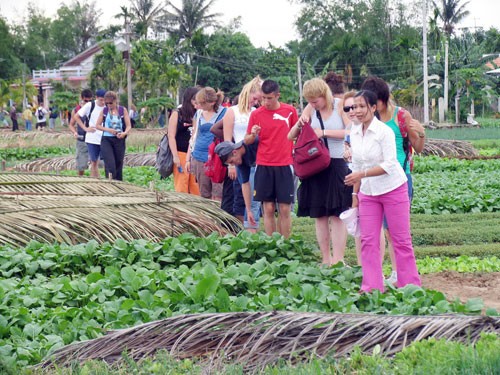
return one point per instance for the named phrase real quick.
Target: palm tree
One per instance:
(450, 12)
(146, 13)
(192, 16)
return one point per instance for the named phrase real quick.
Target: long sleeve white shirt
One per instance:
(377, 147)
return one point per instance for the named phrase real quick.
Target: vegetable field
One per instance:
(54, 294)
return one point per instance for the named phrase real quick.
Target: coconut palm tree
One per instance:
(146, 13)
(190, 17)
(450, 12)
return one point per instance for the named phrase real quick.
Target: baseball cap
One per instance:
(224, 149)
(100, 93)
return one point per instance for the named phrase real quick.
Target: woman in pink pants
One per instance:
(381, 188)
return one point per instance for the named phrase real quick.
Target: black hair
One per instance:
(370, 98)
(378, 86)
(269, 86)
(86, 93)
(335, 82)
(187, 110)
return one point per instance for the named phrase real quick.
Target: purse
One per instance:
(310, 154)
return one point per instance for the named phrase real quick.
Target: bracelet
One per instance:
(323, 133)
(355, 194)
(366, 172)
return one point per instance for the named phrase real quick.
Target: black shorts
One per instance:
(274, 184)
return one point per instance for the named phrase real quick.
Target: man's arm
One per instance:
(71, 124)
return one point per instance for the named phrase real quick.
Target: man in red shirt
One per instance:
(274, 175)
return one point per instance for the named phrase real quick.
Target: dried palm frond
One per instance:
(68, 163)
(257, 339)
(448, 148)
(77, 209)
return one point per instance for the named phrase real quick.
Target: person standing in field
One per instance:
(82, 152)
(235, 124)
(380, 188)
(180, 128)
(388, 112)
(324, 195)
(274, 179)
(91, 111)
(209, 112)
(13, 117)
(40, 114)
(114, 122)
(28, 119)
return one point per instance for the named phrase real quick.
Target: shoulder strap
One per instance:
(404, 133)
(318, 115)
(221, 114)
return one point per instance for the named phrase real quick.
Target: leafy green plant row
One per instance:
(459, 191)
(463, 264)
(425, 164)
(55, 295)
(446, 233)
(144, 176)
(465, 134)
(28, 154)
(431, 357)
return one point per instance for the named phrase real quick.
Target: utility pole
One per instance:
(426, 81)
(129, 66)
(300, 85)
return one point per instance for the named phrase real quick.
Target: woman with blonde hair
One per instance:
(209, 112)
(324, 195)
(235, 124)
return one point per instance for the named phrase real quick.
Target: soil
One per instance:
(466, 285)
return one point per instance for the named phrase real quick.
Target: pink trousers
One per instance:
(396, 207)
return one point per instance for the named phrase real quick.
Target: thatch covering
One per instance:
(256, 339)
(73, 210)
(68, 163)
(449, 148)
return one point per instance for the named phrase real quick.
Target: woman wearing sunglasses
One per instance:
(114, 121)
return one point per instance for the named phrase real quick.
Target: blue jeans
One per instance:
(27, 125)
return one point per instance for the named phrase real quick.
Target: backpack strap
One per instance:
(92, 106)
(401, 117)
(318, 115)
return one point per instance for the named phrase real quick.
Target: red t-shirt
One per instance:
(274, 147)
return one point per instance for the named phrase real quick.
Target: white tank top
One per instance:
(240, 124)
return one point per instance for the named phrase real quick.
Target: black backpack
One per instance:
(40, 114)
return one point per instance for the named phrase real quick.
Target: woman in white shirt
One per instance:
(380, 184)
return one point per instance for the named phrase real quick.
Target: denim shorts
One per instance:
(94, 151)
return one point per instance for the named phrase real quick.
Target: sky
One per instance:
(264, 21)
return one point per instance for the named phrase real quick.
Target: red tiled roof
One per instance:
(78, 59)
(496, 62)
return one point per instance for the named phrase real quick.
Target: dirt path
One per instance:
(466, 285)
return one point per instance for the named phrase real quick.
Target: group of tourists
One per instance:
(369, 165)
(100, 127)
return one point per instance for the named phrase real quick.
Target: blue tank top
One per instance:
(204, 137)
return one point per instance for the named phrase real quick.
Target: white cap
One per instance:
(351, 220)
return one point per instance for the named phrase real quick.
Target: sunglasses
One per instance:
(109, 103)
(348, 108)
(87, 100)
